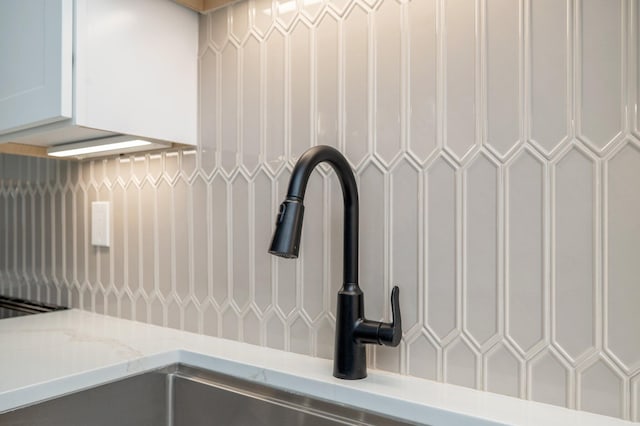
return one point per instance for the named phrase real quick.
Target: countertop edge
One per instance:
(86, 349)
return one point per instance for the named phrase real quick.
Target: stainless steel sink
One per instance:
(182, 395)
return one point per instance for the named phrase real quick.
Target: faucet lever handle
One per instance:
(391, 334)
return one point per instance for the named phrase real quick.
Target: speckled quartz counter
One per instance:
(47, 355)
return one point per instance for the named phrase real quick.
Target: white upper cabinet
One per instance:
(36, 46)
(76, 70)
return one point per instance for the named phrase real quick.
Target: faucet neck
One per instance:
(298, 184)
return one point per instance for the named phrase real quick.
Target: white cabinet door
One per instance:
(36, 54)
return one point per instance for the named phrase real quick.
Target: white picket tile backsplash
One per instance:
(495, 144)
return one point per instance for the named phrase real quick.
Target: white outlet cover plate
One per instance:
(100, 223)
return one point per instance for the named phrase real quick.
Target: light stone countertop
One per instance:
(47, 355)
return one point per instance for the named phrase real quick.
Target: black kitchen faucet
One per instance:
(353, 331)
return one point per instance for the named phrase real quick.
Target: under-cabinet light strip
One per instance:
(74, 150)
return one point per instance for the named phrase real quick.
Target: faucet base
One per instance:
(350, 358)
(354, 331)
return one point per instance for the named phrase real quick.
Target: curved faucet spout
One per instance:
(291, 210)
(353, 330)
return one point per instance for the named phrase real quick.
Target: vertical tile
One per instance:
(219, 239)
(502, 371)
(311, 248)
(174, 314)
(210, 320)
(105, 255)
(4, 230)
(229, 113)
(138, 168)
(10, 224)
(163, 239)
(387, 358)
(550, 62)
(68, 237)
(635, 398)
(339, 5)
(75, 299)
(74, 172)
(441, 248)
(81, 242)
(460, 364)
(262, 12)
(203, 31)
(219, 26)
(274, 88)
(119, 234)
(460, 78)
(57, 237)
(140, 309)
(548, 379)
(134, 231)
(208, 75)
(23, 244)
(64, 169)
(188, 162)
(85, 171)
(503, 76)
(200, 231)
(311, 9)
(251, 101)
(388, 134)
(574, 253)
(300, 92)
(622, 241)
(324, 338)
(240, 241)
(601, 389)
(285, 12)
(251, 328)
(481, 275)
(300, 338)
(111, 302)
(423, 78)
(423, 358)
(149, 239)
(171, 165)
(155, 163)
(356, 84)
(600, 100)
(181, 252)
(405, 262)
(239, 20)
(525, 250)
(86, 300)
(263, 227)
(372, 241)
(327, 81)
(97, 170)
(191, 318)
(98, 305)
(29, 241)
(230, 324)
(275, 332)
(19, 233)
(92, 252)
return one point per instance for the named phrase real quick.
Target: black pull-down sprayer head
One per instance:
(286, 237)
(353, 331)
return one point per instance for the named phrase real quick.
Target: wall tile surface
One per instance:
(496, 149)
